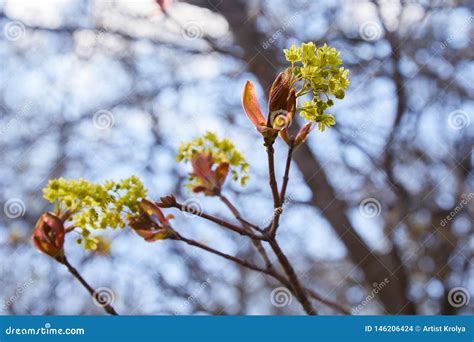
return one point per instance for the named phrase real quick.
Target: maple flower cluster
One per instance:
(321, 74)
(316, 72)
(94, 206)
(212, 159)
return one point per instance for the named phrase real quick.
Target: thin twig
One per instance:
(292, 277)
(179, 237)
(271, 173)
(286, 177)
(258, 244)
(107, 307)
(254, 226)
(219, 221)
(271, 273)
(276, 216)
(328, 302)
(284, 262)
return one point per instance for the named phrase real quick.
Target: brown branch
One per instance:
(286, 178)
(271, 173)
(219, 221)
(199, 245)
(271, 273)
(237, 215)
(258, 244)
(331, 303)
(254, 226)
(107, 307)
(293, 278)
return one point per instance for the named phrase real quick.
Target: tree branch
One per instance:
(107, 307)
(271, 273)
(292, 277)
(286, 178)
(219, 221)
(271, 173)
(258, 244)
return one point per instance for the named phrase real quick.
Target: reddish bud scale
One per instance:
(48, 235)
(280, 92)
(303, 134)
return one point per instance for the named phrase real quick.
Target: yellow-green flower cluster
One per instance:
(222, 150)
(95, 206)
(322, 76)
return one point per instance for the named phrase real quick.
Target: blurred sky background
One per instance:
(106, 89)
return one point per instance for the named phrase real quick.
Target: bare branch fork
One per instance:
(313, 294)
(259, 236)
(258, 244)
(277, 201)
